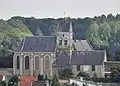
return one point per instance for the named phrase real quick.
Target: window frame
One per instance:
(65, 42)
(93, 67)
(60, 42)
(78, 67)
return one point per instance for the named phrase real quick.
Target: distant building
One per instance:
(41, 54)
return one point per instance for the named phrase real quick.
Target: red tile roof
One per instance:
(26, 80)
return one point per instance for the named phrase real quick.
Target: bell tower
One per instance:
(65, 34)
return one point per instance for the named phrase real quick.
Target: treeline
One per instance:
(102, 32)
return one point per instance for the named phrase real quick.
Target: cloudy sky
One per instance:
(56, 8)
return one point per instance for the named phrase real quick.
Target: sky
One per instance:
(56, 8)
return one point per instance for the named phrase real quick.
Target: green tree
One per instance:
(55, 81)
(13, 81)
(117, 55)
(65, 73)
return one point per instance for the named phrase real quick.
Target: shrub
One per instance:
(83, 74)
(40, 77)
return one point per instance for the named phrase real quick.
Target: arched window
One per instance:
(47, 63)
(26, 62)
(18, 62)
(36, 62)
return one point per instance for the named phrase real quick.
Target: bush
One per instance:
(2, 83)
(13, 81)
(40, 77)
(105, 80)
(83, 74)
(65, 73)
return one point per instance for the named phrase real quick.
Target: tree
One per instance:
(65, 73)
(117, 55)
(55, 81)
(13, 81)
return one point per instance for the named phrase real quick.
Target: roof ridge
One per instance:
(40, 36)
(89, 50)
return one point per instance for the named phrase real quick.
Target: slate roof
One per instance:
(79, 58)
(38, 83)
(37, 44)
(82, 45)
(87, 57)
(62, 60)
(64, 27)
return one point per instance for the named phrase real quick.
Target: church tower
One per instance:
(65, 34)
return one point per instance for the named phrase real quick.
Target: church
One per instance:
(45, 54)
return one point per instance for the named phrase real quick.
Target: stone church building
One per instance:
(39, 54)
(35, 56)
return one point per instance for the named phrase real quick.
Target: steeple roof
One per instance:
(65, 25)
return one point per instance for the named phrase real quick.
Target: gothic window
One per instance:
(78, 67)
(36, 62)
(18, 62)
(60, 42)
(65, 42)
(93, 67)
(26, 62)
(46, 62)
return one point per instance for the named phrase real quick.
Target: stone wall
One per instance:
(99, 70)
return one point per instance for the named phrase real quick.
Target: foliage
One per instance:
(11, 33)
(65, 73)
(46, 77)
(40, 77)
(13, 81)
(106, 80)
(117, 55)
(83, 74)
(2, 83)
(55, 81)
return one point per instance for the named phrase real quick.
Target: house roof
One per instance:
(62, 59)
(37, 44)
(95, 57)
(64, 25)
(87, 57)
(38, 83)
